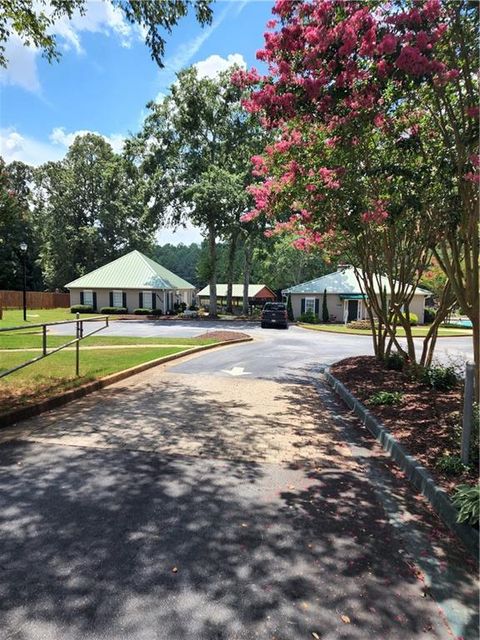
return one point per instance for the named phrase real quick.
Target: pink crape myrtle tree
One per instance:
(374, 111)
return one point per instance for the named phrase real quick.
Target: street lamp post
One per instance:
(23, 248)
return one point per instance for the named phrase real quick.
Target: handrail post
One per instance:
(44, 340)
(467, 411)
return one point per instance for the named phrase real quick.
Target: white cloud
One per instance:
(60, 137)
(215, 64)
(185, 235)
(14, 146)
(22, 66)
(100, 17)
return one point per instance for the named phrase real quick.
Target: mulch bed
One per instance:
(222, 336)
(426, 422)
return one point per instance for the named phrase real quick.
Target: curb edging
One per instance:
(415, 472)
(23, 413)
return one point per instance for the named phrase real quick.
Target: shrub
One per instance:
(290, 309)
(156, 312)
(325, 315)
(193, 307)
(142, 312)
(412, 319)
(429, 314)
(179, 307)
(359, 324)
(113, 310)
(81, 308)
(452, 465)
(309, 317)
(394, 361)
(385, 398)
(467, 500)
(440, 378)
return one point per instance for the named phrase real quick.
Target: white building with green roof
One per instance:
(132, 281)
(344, 296)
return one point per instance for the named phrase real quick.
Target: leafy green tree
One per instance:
(194, 152)
(89, 209)
(33, 22)
(325, 314)
(181, 259)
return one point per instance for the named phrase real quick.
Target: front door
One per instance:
(352, 310)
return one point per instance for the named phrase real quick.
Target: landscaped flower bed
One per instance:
(425, 421)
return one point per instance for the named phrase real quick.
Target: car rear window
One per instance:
(274, 306)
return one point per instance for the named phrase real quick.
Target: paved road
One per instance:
(226, 497)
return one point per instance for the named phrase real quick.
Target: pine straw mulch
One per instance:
(426, 422)
(222, 336)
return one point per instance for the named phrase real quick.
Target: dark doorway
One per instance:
(352, 310)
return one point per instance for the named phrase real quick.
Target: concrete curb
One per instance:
(16, 415)
(415, 472)
(459, 334)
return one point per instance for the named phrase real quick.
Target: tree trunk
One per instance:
(212, 247)
(231, 261)
(248, 249)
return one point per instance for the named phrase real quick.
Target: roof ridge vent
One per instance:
(342, 267)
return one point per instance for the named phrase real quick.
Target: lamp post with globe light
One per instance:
(23, 249)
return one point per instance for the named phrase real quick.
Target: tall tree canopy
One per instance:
(89, 209)
(194, 152)
(33, 21)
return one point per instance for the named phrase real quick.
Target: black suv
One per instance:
(274, 314)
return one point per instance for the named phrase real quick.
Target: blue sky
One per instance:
(106, 76)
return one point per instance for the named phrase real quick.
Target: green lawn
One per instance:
(57, 372)
(17, 340)
(14, 317)
(418, 332)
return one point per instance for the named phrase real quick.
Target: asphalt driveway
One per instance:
(228, 496)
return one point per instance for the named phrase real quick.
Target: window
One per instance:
(88, 298)
(117, 299)
(310, 305)
(147, 300)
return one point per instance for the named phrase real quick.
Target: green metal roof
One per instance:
(132, 271)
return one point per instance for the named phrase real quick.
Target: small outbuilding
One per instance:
(132, 281)
(345, 300)
(258, 295)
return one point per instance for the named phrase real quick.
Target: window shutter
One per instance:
(111, 298)
(124, 300)
(94, 300)
(154, 300)
(81, 297)
(140, 300)
(317, 306)
(302, 308)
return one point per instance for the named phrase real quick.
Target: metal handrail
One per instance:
(45, 353)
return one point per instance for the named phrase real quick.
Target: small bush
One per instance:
(193, 307)
(113, 310)
(412, 319)
(179, 307)
(440, 378)
(156, 312)
(385, 398)
(394, 361)
(142, 312)
(81, 308)
(359, 324)
(467, 500)
(452, 465)
(309, 317)
(429, 314)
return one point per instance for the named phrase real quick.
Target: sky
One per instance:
(106, 76)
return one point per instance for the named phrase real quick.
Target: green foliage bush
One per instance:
(429, 314)
(290, 309)
(440, 378)
(412, 319)
(81, 308)
(142, 312)
(113, 310)
(467, 500)
(193, 307)
(394, 361)
(452, 465)
(156, 312)
(309, 317)
(385, 398)
(179, 307)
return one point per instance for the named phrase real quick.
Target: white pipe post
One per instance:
(467, 411)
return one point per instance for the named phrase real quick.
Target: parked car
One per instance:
(274, 314)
